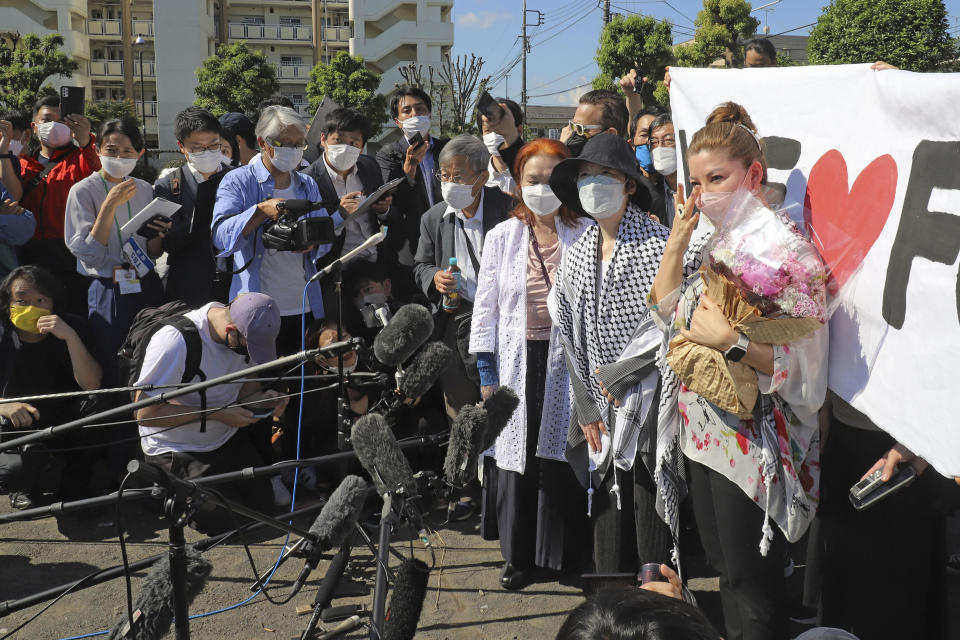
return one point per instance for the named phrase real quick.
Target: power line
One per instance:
(678, 11)
(571, 18)
(568, 73)
(581, 18)
(553, 93)
(791, 30)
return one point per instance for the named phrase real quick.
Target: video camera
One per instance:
(291, 231)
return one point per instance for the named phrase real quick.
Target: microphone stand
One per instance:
(387, 521)
(49, 432)
(336, 269)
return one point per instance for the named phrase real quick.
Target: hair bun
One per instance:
(733, 113)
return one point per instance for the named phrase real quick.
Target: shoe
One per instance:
(281, 495)
(463, 510)
(512, 578)
(20, 500)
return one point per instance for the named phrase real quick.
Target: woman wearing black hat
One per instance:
(599, 306)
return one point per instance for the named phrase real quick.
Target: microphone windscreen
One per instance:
(409, 328)
(340, 514)
(155, 601)
(381, 456)
(424, 369)
(459, 467)
(500, 407)
(297, 206)
(406, 603)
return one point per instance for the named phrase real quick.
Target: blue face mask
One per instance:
(644, 157)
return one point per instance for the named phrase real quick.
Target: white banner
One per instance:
(875, 158)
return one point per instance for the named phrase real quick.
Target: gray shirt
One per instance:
(83, 205)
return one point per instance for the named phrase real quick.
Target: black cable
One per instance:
(123, 551)
(66, 592)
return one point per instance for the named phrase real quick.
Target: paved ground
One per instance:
(464, 598)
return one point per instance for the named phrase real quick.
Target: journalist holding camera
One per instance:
(274, 248)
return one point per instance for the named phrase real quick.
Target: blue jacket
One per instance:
(240, 191)
(14, 231)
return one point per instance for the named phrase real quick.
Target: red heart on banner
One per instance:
(846, 221)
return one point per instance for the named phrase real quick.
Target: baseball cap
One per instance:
(236, 123)
(257, 318)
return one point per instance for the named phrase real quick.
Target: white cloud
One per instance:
(483, 20)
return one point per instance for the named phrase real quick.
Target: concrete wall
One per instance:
(184, 31)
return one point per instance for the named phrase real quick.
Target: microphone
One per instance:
(466, 432)
(500, 407)
(381, 456)
(334, 524)
(153, 609)
(410, 327)
(372, 241)
(422, 372)
(298, 206)
(406, 603)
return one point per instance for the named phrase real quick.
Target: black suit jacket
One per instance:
(411, 198)
(192, 266)
(437, 237)
(368, 171)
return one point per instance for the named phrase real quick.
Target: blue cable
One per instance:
(296, 474)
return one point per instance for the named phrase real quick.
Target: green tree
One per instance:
(235, 78)
(634, 42)
(720, 26)
(911, 34)
(99, 112)
(25, 63)
(349, 83)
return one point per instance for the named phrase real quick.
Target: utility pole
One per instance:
(524, 50)
(606, 12)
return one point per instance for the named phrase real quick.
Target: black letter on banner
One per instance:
(782, 153)
(934, 235)
(683, 158)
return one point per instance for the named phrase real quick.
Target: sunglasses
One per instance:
(581, 129)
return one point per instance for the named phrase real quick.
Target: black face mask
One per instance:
(575, 144)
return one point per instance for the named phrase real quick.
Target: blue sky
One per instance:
(562, 51)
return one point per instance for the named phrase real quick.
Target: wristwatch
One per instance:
(738, 350)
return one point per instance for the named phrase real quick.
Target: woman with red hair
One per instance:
(527, 483)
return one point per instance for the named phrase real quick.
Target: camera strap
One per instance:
(473, 256)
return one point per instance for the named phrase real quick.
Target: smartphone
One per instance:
(145, 229)
(71, 100)
(903, 477)
(867, 485)
(416, 140)
(489, 107)
(261, 412)
(593, 582)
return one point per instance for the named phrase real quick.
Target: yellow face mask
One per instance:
(25, 317)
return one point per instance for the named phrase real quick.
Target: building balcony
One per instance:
(298, 72)
(114, 69)
(276, 32)
(149, 109)
(302, 107)
(110, 28)
(339, 35)
(143, 28)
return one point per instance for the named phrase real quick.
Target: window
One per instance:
(290, 21)
(252, 20)
(291, 60)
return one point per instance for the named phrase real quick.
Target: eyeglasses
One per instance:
(199, 149)
(581, 129)
(442, 177)
(666, 141)
(298, 147)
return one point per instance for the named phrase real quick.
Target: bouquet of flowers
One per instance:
(770, 283)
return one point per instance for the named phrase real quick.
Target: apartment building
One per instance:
(149, 50)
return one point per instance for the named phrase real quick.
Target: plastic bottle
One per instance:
(451, 301)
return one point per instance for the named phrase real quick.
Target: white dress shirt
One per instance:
(357, 229)
(472, 228)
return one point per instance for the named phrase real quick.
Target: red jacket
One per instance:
(48, 200)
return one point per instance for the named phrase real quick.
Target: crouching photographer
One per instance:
(274, 246)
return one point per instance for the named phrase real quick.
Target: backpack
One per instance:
(145, 324)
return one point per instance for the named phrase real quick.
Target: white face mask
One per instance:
(601, 196)
(492, 141)
(714, 205)
(540, 199)
(53, 134)
(118, 167)
(205, 161)
(416, 124)
(225, 159)
(665, 160)
(458, 196)
(286, 159)
(16, 147)
(342, 156)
